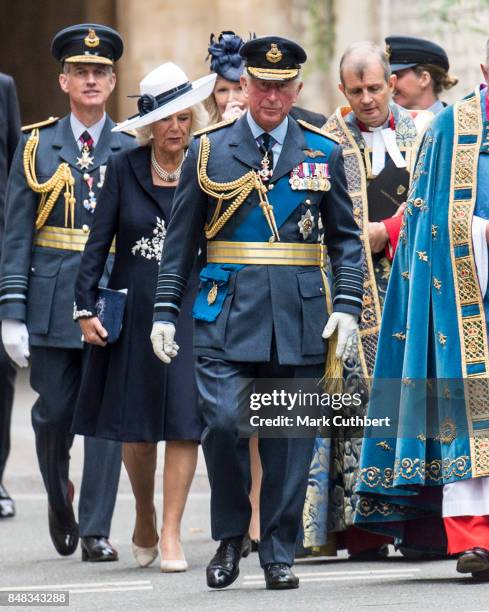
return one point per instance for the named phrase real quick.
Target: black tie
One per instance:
(267, 143)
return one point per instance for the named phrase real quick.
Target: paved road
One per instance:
(27, 559)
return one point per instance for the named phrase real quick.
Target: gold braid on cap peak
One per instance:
(51, 189)
(239, 189)
(89, 58)
(273, 74)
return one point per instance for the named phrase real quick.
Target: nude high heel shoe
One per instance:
(173, 565)
(145, 555)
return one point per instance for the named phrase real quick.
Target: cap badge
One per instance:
(91, 39)
(274, 55)
(388, 50)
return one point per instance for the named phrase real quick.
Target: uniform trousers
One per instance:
(55, 376)
(224, 389)
(7, 382)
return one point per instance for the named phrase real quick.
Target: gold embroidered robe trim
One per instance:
(474, 350)
(356, 179)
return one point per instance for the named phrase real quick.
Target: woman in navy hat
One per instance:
(227, 99)
(421, 67)
(127, 394)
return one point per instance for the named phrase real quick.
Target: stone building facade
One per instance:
(178, 30)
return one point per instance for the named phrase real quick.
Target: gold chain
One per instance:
(239, 189)
(53, 186)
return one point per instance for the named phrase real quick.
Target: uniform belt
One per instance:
(265, 253)
(64, 238)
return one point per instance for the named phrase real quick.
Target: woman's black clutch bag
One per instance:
(110, 307)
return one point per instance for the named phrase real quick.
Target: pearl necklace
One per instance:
(168, 177)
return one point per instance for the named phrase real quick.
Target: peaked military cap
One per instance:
(89, 43)
(409, 51)
(272, 58)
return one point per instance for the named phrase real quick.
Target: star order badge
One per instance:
(86, 160)
(306, 224)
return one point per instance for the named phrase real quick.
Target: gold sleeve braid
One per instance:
(51, 189)
(239, 189)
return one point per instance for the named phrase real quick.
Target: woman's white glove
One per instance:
(15, 338)
(162, 339)
(347, 325)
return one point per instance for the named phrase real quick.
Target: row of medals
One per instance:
(317, 178)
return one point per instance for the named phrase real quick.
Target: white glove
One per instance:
(15, 338)
(347, 325)
(162, 336)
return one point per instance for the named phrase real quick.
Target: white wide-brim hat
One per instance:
(164, 91)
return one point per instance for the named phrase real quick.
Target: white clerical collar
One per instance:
(277, 133)
(77, 127)
(378, 127)
(382, 140)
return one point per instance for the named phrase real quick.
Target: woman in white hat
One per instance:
(127, 393)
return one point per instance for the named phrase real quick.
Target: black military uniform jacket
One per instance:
(39, 268)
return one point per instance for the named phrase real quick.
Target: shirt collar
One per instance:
(436, 107)
(278, 133)
(77, 127)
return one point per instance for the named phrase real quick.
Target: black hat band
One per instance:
(148, 103)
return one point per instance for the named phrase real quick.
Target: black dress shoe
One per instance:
(63, 532)
(473, 561)
(7, 506)
(280, 576)
(63, 527)
(98, 548)
(224, 566)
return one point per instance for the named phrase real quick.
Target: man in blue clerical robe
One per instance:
(424, 478)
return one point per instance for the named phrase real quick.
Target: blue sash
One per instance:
(255, 229)
(215, 276)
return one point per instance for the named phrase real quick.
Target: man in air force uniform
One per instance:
(258, 188)
(56, 176)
